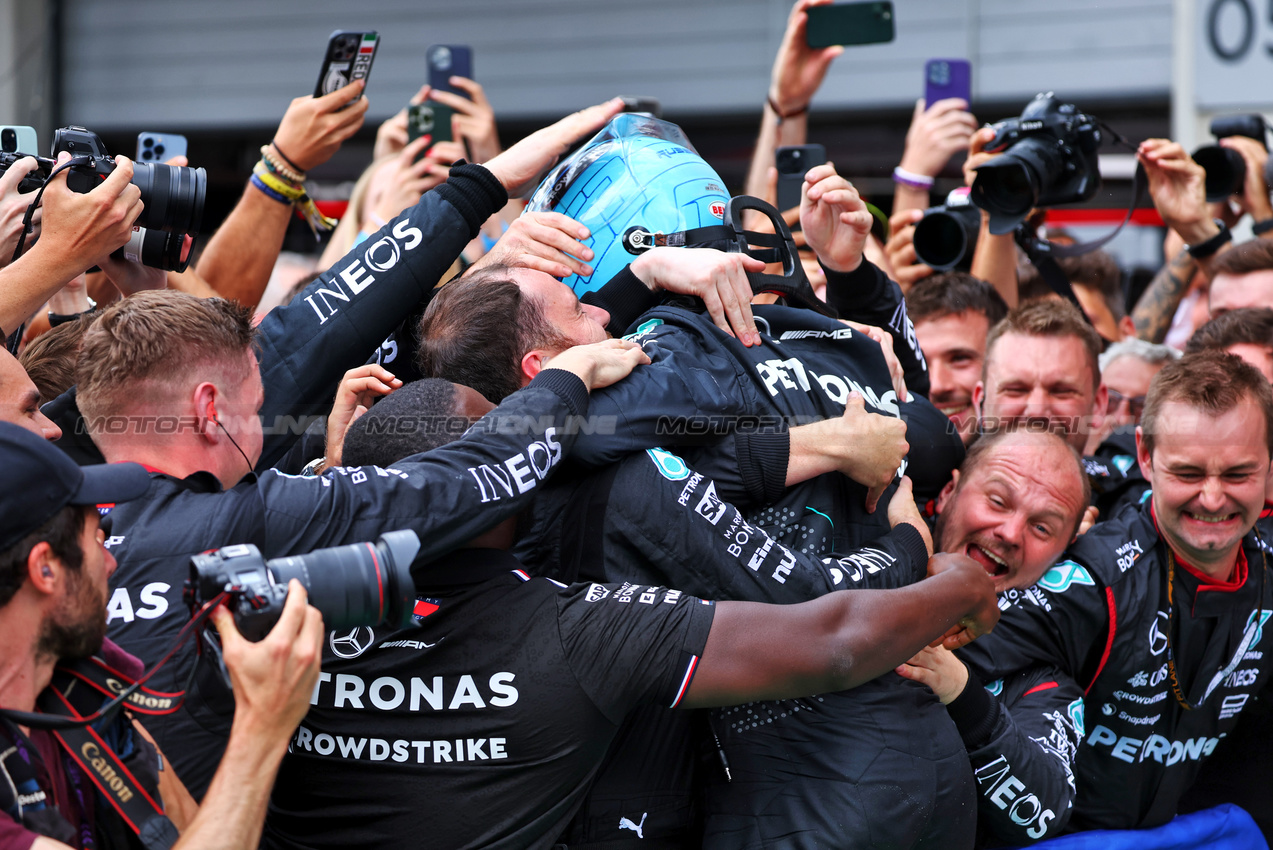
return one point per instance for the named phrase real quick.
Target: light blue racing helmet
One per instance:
(637, 178)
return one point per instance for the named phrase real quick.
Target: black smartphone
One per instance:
(793, 163)
(447, 61)
(429, 118)
(637, 103)
(349, 58)
(850, 23)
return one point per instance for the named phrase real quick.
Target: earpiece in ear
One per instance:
(46, 572)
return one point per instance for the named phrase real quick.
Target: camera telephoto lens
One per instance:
(356, 585)
(945, 236)
(173, 196)
(1006, 185)
(1226, 171)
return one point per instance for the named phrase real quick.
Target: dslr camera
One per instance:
(1226, 169)
(173, 196)
(362, 584)
(946, 235)
(1049, 159)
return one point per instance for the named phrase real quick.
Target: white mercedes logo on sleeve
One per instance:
(352, 643)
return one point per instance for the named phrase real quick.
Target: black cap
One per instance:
(40, 480)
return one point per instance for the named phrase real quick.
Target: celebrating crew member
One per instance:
(1120, 671)
(491, 715)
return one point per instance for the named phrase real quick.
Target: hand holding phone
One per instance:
(947, 78)
(850, 23)
(793, 163)
(349, 57)
(429, 119)
(446, 61)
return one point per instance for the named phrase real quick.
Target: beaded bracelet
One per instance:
(272, 163)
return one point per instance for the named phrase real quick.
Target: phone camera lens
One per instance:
(147, 142)
(442, 59)
(159, 151)
(9, 140)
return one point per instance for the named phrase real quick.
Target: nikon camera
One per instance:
(1049, 159)
(173, 196)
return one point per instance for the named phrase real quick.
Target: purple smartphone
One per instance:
(945, 78)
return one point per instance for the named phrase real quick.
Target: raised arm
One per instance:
(78, 230)
(1177, 185)
(240, 256)
(797, 74)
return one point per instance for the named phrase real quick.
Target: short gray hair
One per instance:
(1151, 352)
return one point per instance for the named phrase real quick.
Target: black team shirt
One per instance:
(482, 725)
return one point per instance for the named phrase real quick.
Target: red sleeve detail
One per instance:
(1109, 640)
(1043, 687)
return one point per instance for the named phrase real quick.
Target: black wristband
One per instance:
(1262, 227)
(1205, 249)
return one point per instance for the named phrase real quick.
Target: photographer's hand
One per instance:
(78, 229)
(834, 218)
(313, 128)
(994, 259)
(1255, 192)
(1177, 185)
(273, 681)
(900, 249)
(130, 277)
(519, 166)
(13, 206)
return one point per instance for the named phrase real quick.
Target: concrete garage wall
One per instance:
(228, 64)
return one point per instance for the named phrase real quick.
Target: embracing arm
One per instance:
(840, 640)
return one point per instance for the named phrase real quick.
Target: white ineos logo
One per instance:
(352, 643)
(624, 823)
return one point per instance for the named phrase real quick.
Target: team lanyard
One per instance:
(1173, 678)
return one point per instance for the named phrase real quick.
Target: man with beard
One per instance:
(953, 314)
(107, 785)
(1113, 678)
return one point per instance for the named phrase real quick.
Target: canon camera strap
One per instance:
(89, 681)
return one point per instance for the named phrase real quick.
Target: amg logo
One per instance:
(841, 333)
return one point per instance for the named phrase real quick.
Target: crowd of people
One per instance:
(715, 552)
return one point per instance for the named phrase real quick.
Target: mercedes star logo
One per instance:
(352, 643)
